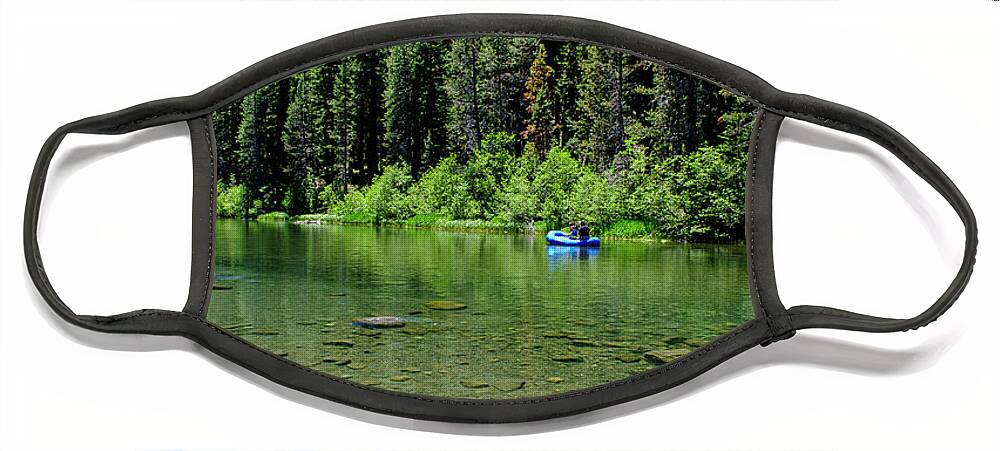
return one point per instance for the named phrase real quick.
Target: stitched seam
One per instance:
(662, 370)
(211, 220)
(753, 225)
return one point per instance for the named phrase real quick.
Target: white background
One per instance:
(853, 229)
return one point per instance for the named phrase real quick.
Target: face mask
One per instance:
(486, 218)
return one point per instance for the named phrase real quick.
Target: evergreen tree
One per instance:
(542, 127)
(306, 137)
(463, 88)
(262, 156)
(368, 87)
(415, 105)
(505, 66)
(226, 127)
(568, 77)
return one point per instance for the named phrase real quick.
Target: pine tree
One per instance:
(262, 156)
(368, 87)
(226, 127)
(568, 77)
(463, 88)
(306, 138)
(542, 127)
(415, 105)
(505, 67)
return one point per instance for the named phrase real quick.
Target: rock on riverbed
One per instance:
(379, 322)
(444, 305)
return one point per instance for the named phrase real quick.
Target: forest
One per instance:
(492, 133)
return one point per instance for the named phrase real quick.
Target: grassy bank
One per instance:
(622, 229)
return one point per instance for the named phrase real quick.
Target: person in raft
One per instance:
(572, 229)
(583, 232)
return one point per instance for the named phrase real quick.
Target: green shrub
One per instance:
(229, 201)
(553, 184)
(328, 197)
(386, 197)
(274, 216)
(353, 202)
(593, 199)
(358, 218)
(323, 218)
(442, 190)
(489, 170)
(426, 220)
(518, 200)
(709, 190)
(630, 228)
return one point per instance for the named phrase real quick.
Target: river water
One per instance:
(537, 320)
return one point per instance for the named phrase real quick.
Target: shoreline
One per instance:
(458, 225)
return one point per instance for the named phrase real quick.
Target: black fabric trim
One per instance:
(760, 177)
(202, 216)
(766, 327)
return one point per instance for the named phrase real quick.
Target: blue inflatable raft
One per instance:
(560, 238)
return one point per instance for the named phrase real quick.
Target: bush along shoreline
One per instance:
(618, 230)
(498, 190)
(502, 192)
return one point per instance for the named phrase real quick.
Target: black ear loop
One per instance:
(109, 124)
(855, 122)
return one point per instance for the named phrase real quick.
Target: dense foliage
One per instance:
(492, 130)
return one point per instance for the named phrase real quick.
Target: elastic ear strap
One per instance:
(125, 322)
(856, 122)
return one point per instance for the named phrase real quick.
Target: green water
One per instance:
(291, 288)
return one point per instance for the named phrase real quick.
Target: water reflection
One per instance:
(566, 254)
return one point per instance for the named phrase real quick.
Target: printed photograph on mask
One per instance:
(487, 218)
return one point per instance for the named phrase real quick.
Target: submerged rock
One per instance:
(222, 287)
(622, 345)
(337, 295)
(554, 379)
(588, 343)
(281, 353)
(306, 323)
(567, 358)
(264, 331)
(444, 305)
(347, 343)
(417, 330)
(367, 332)
(509, 385)
(356, 365)
(378, 322)
(674, 340)
(410, 370)
(474, 383)
(665, 355)
(400, 378)
(336, 360)
(628, 358)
